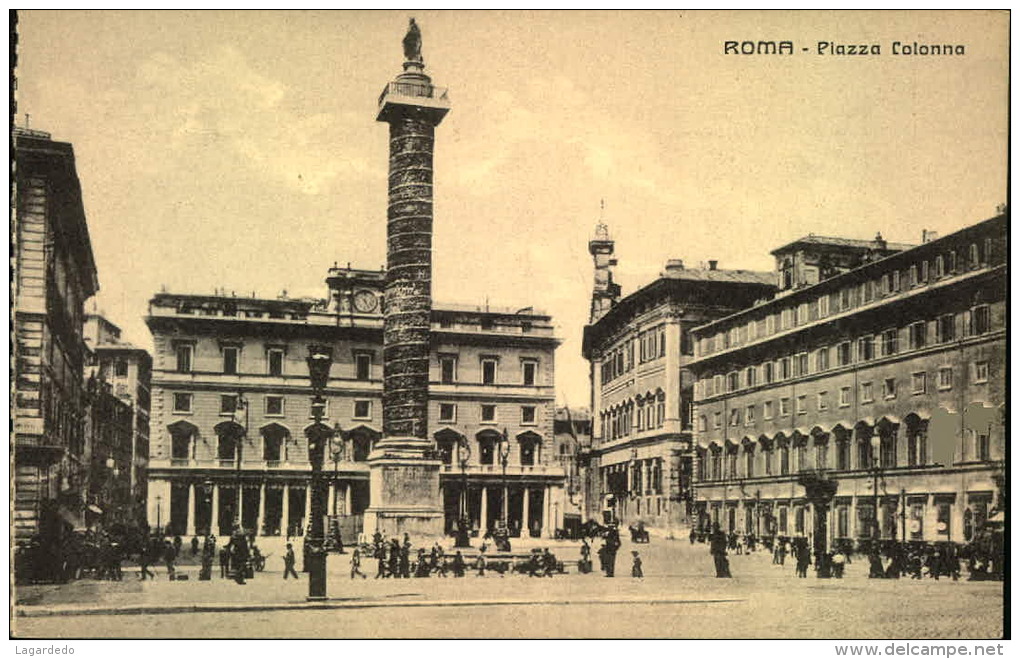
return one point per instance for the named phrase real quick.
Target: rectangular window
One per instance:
(362, 409)
(770, 324)
(984, 448)
(945, 328)
(980, 372)
(913, 275)
(844, 299)
(945, 378)
(885, 287)
(924, 272)
(844, 396)
(889, 388)
(488, 371)
(228, 403)
(802, 404)
(528, 414)
(447, 412)
(751, 376)
(784, 407)
(770, 372)
(120, 368)
(362, 365)
(823, 400)
(918, 335)
(867, 395)
(749, 415)
(801, 364)
(182, 402)
(702, 423)
(889, 338)
(895, 281)
(734, 417)
(488, 413)
(843, 353)
(823, 306)
(865, 349)
(717, 420)
(184, 355)
(274, 405)
(980, 320)
(940, 266)
(529, 368)
(919, 383)
(447, 369)
(822, 359)
(784, 368)
(766, 410)
(230, 354)
(732, 382)
(275, 358)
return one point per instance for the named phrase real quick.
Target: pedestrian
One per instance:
(208, 552)
(549, 563)
(288, 562)
(224, 560)
(194, 546)
(380, 555)
(693, 536)
(177, 545)
(838, 564)
(421, 565)
(584, 565)
(717, 547)
(394, 559)
(458, 565)
(356, 564)
(239, 557)
(145, 558)
(611, 546)
(803, 560)
(170, 556)
(635, 570)
(480, 563)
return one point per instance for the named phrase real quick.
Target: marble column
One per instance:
(347, 499)
(190, 530)
(331, 501)
(285, 513)
(214, 523)
(547, 521)
(260, 524)
(484, 520)
(525, 524)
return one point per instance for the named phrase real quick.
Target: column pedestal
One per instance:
(404, 487)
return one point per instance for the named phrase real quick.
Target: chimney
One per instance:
(713, 264)
(880, 241)
(675, 264)
(927, 235)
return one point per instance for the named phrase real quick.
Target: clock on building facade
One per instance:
(365, 301)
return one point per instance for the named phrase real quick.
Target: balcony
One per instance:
(413, 90)
(411, 93)
(511, 470)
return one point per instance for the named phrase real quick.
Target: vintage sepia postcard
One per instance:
(510, 324)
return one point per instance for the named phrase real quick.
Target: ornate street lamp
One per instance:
(336, 451)
(463, 524)
(504, 457)
(320, 359)
(240, 404)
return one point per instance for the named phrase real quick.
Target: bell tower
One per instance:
(605, 293)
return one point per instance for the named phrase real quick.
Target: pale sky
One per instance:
(239, 150)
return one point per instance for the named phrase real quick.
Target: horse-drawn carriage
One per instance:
(638, 533)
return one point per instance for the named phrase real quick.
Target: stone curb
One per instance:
(43, 612)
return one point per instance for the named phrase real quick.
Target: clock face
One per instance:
(365, 301)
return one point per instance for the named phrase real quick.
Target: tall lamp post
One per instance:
(463, 455)
(240, 411)
(876, 468)
(320, 359)
(504, 458)
(336, 451)
(159, 516)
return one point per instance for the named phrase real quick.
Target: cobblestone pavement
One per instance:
(678, 599)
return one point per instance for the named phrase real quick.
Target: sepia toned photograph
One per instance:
(450, 324)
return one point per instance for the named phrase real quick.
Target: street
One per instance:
(677, 599)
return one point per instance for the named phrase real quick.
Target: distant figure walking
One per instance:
(356, 564)
(717, 546)
(635, 570)
(288, 562)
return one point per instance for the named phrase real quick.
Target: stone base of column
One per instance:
(404, 489)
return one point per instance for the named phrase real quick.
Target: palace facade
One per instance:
(231, 400)
(880, 366)
(639, 464)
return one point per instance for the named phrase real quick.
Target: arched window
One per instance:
(530, 445)
(182, 436)
(821, 450)
(225, 447)
(749, 460)
(917, 441)
(864, 458)
(887, 446)
(487, 441)
(446, 445)
(273, 438)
